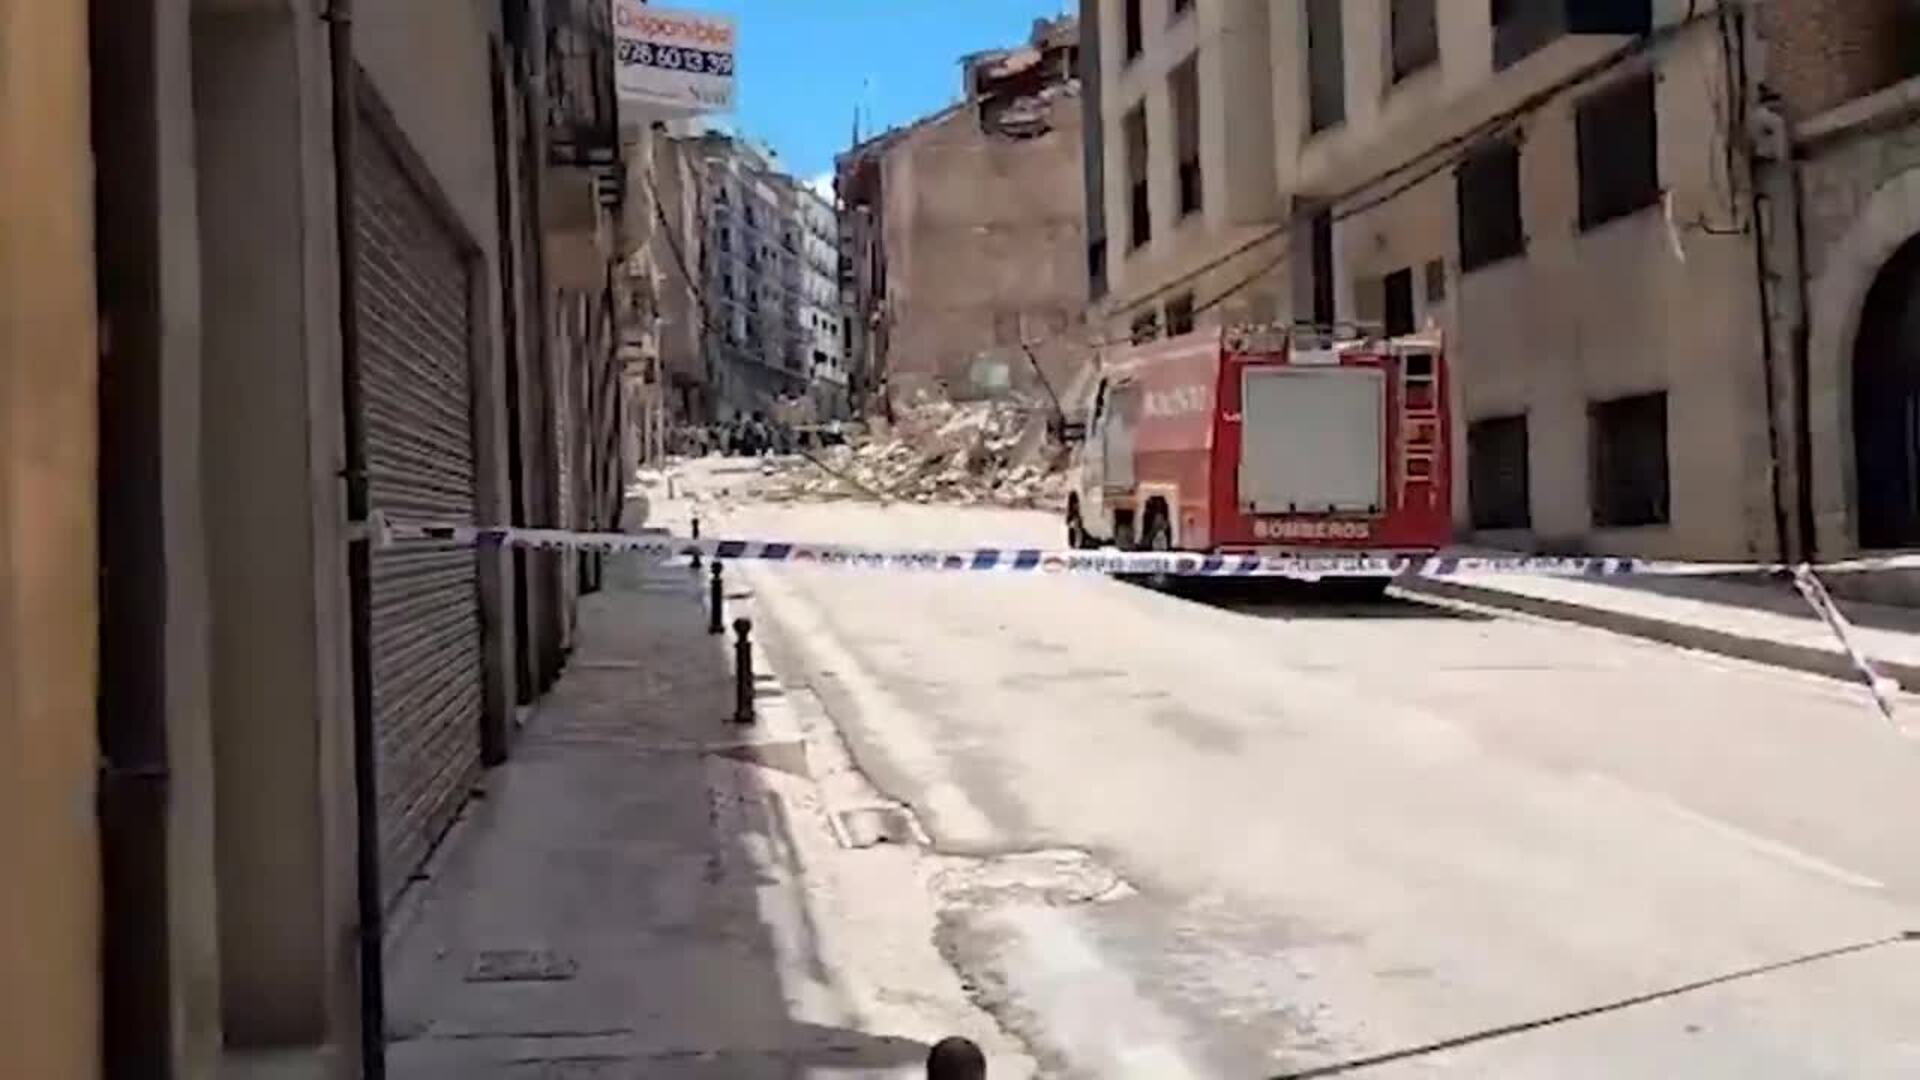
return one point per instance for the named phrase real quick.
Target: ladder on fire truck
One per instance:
(1419, 443)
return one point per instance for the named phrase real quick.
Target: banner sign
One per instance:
(673, 61)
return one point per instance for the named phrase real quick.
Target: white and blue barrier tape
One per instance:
(1052, 561)
(384, 531)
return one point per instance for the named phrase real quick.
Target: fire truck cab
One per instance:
(1271, 439)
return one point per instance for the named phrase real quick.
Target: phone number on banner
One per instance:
(634, 52)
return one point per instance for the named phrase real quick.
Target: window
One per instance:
(1133, 29)
(1628, 441)
(1497, 492)
(1139, 209)
(1522, 27)
(1489, 195)
(1321, 241)
(1436, 282)
(1617, 131)
(1414, 29)
(1146, 327)
(1181, 7)
(1326, 66)
(1397, 307)
(1184, 89)
(1180, 315)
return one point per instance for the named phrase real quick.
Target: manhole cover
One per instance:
(873, 825)
(522, 965)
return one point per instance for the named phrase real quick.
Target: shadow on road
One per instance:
(623, 902)
(1281, 598)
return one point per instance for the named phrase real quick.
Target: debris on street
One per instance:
(995, 453)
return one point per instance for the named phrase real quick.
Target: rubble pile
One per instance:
(994, 453)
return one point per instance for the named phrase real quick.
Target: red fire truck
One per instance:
(1273, 440)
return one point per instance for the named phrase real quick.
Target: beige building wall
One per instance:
(1235, 236)
(49, 921)
(1655, 300)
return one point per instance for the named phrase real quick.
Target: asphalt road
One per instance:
(1344, 830)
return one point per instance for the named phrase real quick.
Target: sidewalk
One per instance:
(646, 890)
(1748, 618)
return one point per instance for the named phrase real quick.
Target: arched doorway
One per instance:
(1886, 405)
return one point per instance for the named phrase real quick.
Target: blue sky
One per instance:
(805, 64)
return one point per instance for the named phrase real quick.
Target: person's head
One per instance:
(955, 1058)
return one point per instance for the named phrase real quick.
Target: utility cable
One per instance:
(1351, 1065)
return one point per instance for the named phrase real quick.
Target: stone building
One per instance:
(281, 264)
(1584, 196)
(1842, 176)
(963, 233)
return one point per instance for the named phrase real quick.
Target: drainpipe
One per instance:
(345, 75)
(1802, 397)
(1733, 29)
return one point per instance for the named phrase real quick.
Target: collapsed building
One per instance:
(963, 236)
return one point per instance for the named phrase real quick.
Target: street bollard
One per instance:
(956, 1058)
(715, 623)
(695, 564)
(743, 671)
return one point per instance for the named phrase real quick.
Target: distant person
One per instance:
(955, 1058)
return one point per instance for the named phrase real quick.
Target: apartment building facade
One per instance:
(1583, 196)
(291, 263)
(752, 319)
(1182, 201)
(1574, 209)
(817, 290)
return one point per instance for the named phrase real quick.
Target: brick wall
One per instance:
(1821, 53)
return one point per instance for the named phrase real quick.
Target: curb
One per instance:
(1831, 663)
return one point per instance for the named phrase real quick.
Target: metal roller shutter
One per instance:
(416, 371)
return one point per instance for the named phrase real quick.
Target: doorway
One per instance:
(1886, 406)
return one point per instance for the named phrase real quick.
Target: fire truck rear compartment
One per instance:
(1313, 440)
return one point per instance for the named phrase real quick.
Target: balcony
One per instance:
(582, 192)
(583, 119)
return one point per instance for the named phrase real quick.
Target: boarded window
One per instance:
(1489, 195)
(1619, 149)
(1628, 447)
(1180, 315)
(1326, 66)
(1415, 30)
(1523, 27)
(1497, 473)
(1184, 89)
